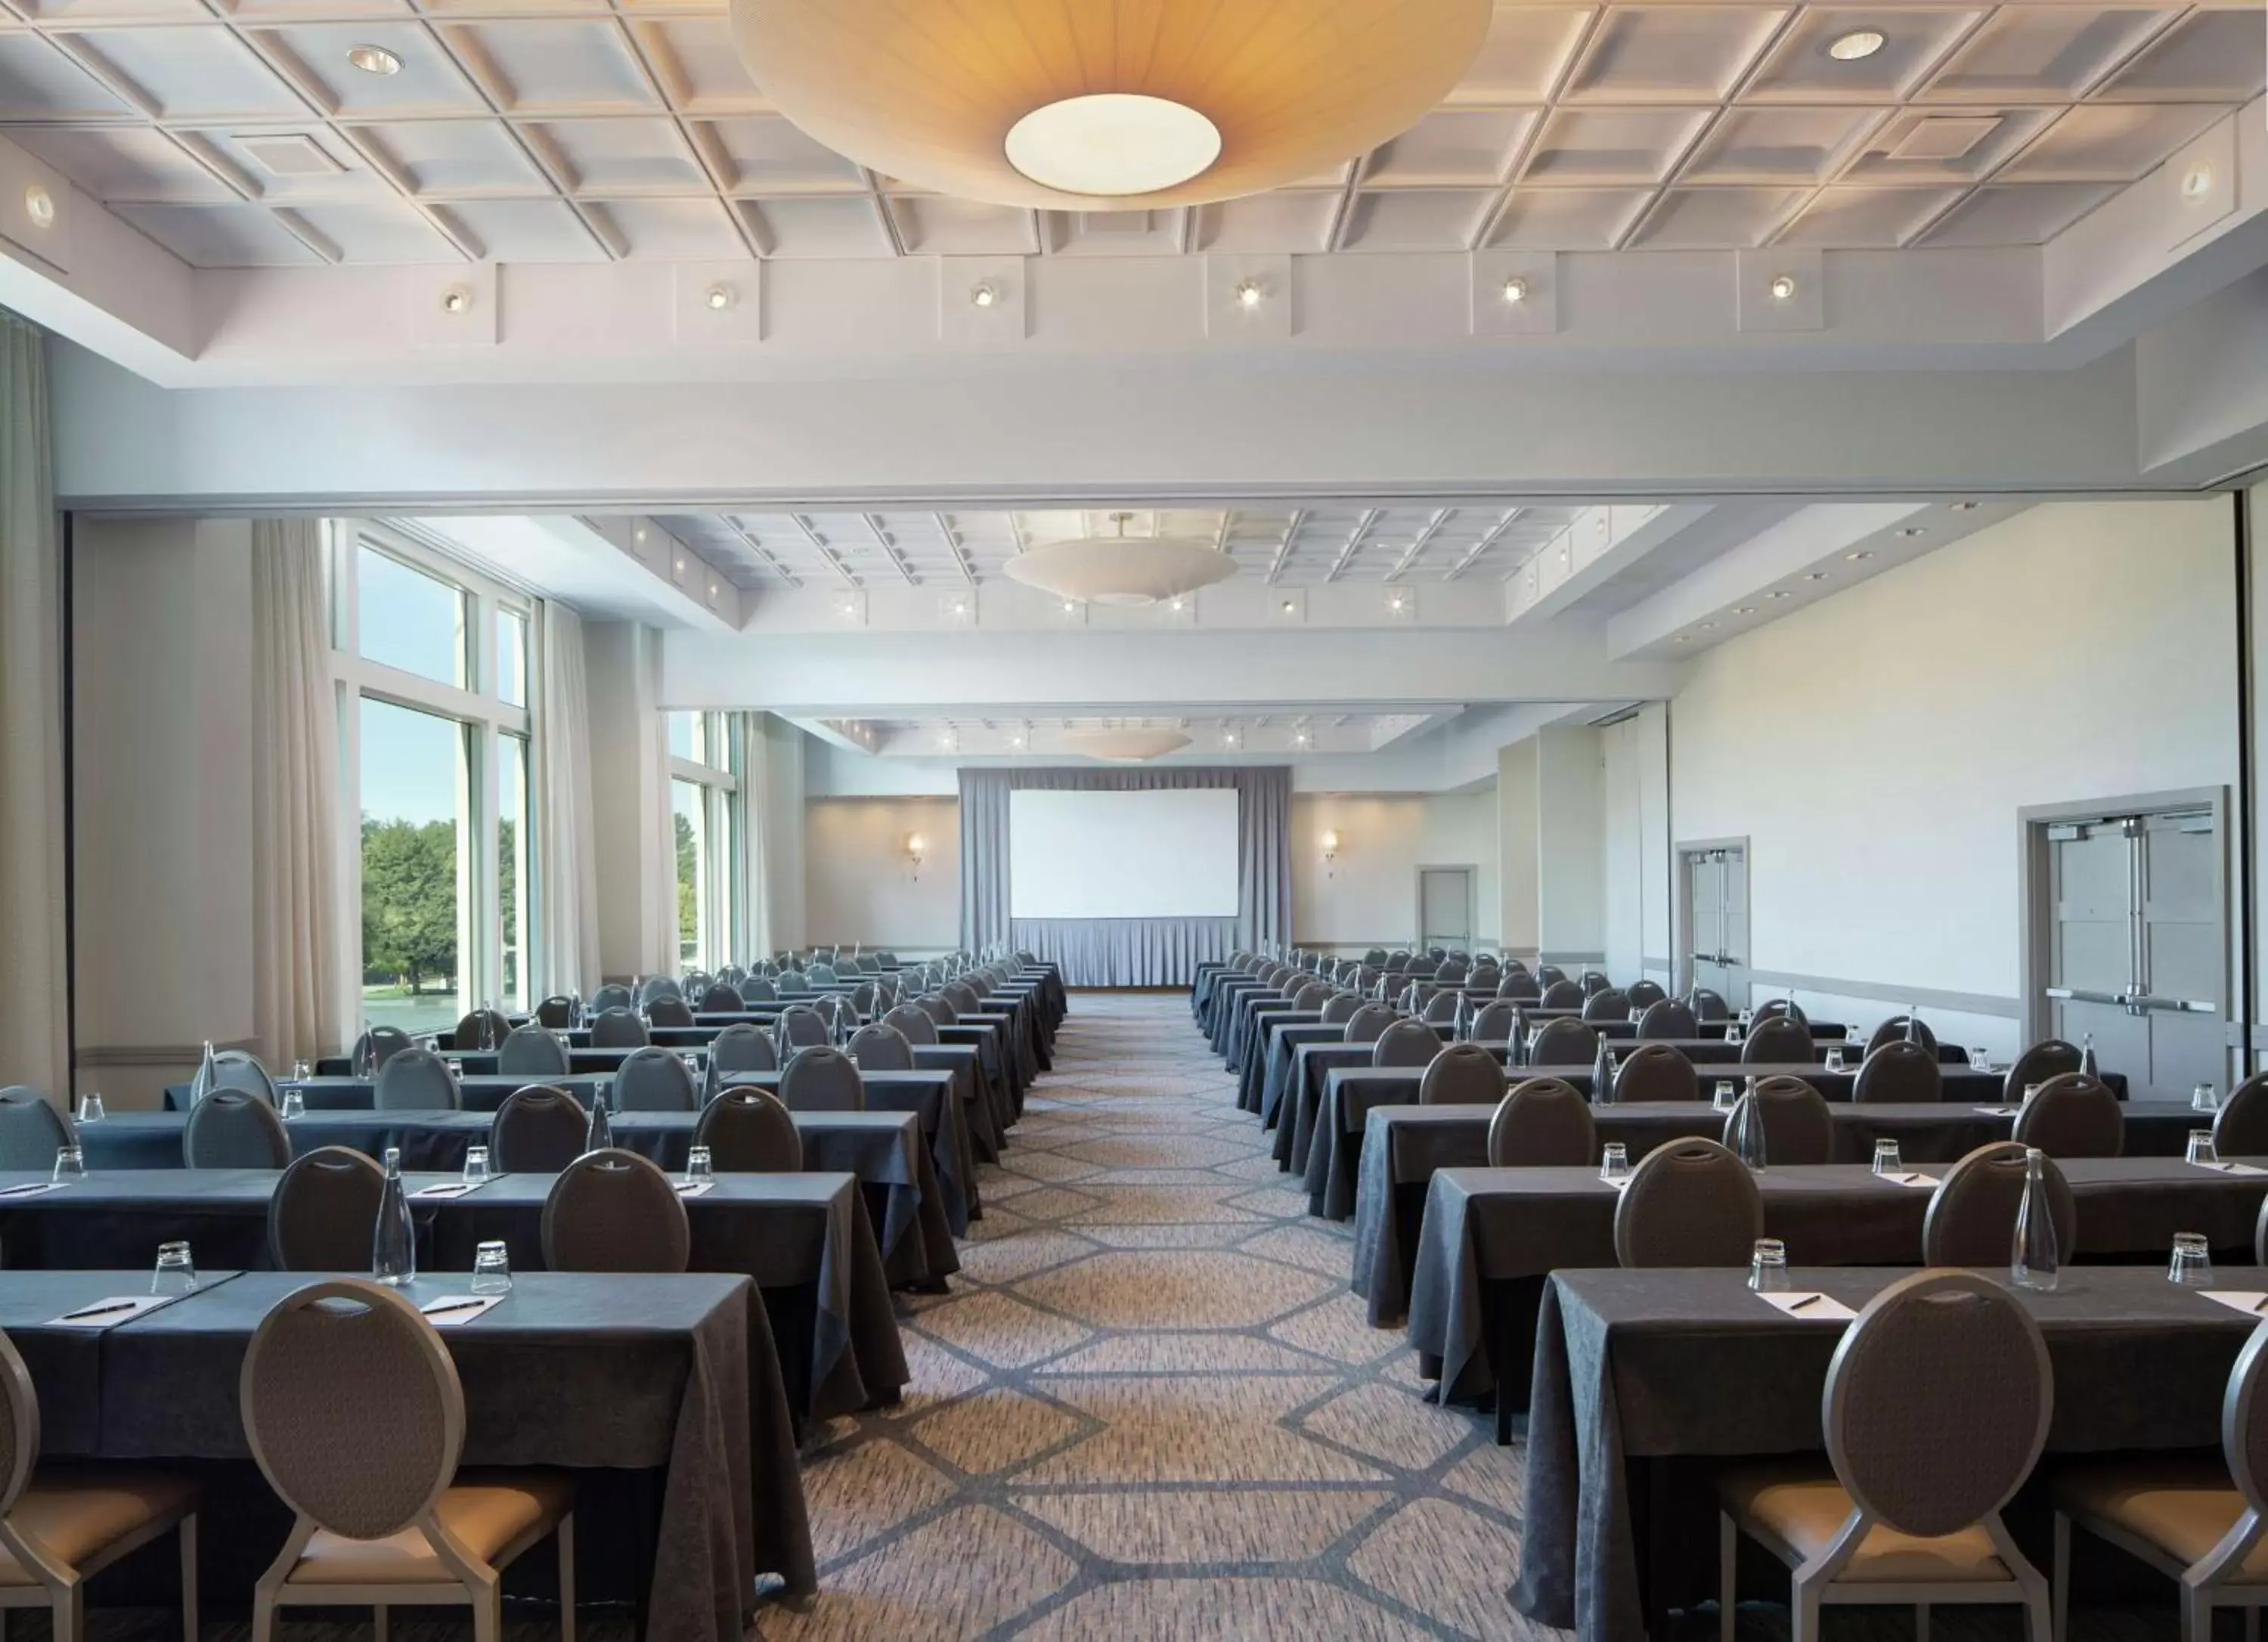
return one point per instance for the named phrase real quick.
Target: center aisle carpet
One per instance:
(1151, 1407)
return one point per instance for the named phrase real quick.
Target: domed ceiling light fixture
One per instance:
(1128, 743)
(1120, 568)
(1110, 105)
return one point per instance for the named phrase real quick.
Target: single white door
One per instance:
(1445, 906)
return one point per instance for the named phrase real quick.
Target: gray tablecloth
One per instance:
(595, 1374)
(1490, 1236)
(1402, 1147)
(1281, 1054)
(804, 1238)
(1260, 1044)
(1649, 1367)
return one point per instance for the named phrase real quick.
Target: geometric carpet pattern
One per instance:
(1150, 1407)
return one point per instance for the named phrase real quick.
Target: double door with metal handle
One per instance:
(1717, 922)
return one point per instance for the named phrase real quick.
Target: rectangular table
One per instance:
(804, 1239)
(1490, 1236)
(601, 1375)
(1637, 1372)
(1402, 1148)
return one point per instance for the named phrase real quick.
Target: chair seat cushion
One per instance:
(2183, 1507)
(1805, 1510)
(486, 1511)
(76, 1517)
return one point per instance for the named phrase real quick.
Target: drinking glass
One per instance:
(176, 1272)
(1885, 1157)
(2205, 1098)
(301, 1071)
(491, 1270)
(1723, 1098)
(2030, 1089)
(2191, 1266)
(1733, 1032)
(1835, 1058)
(71, 1165)
(295, 1105)
(90, 1108)
(1851, 1034)
(476, 1165)
(1768, 1266)
(2201, 1149)
(697, 1166)
(1980, 1058)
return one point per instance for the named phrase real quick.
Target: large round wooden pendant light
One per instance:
(1106, 105)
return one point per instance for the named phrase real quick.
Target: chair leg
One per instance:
(378, 1622)
(567, 1578)
(188, 1530)
(1803, 1616)
(488, 1615)
(2197, 1616)
(69, 1612)
(1728, 1556)
(263, 1616)
(2251, 1623)
(1921, 1622)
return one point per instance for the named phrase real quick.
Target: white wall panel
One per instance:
(859, 884)
(1369, 896)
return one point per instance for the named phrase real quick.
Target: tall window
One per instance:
(435, 669)
(704, 810)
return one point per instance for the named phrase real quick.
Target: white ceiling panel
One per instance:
(428, 82)
(1418, 219)
(1672, 53)
(1567, 219)
(1864, 218)
(457, 157)
(2116, 141)
(2019, 216)
(764, 154)
(526, 231)
(285, 164)
(1286, 220)
(932, 226)
(1585, 147)
(1715, 217)
(695, 61)
(123, 163)
(621, 156)
(1474, 146)
(533, 67)
(111, 11)
(1945, 145)
(38, 81)
(1806, 146)
(2045, 52)
(381, 231)
(822, 226)
(674, 231)
(221, 236)
(1799, 67)
(190, 73)
(1527, 51)
(2217, 54)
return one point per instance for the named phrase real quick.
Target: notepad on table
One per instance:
(1809, 1304)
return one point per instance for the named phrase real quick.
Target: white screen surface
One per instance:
(1164, 854)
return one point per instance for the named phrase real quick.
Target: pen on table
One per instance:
(440, 1307)
(100, 1311)
(2262, 1301)
(1809, 1300)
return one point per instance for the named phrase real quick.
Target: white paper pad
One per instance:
(1817, 1308)
(2231, 1168)
(2000, 1111)
(694, 1189)
(459, 1308)
(1910, 1177)
(449, 1189)
(2246, 1300)
(130, 1307)
(30, 1189)
(1618, 1183)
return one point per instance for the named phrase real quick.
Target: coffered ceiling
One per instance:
(237, 133)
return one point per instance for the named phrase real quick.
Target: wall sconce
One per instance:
(916, 847)
(1331, 853)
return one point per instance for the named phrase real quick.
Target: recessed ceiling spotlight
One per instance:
(1815, 576)
(1708, 627)
(985, 294)
(1782, 287)
(1248, 292)
(720, 297)
(1744, 609)
(2196, 181)
(39, 206)
(1777, 592)
(1179, 602)
(1070, 607)
(456, 300)
(1515, 289)
(1912, 531)
(1859, 557)
(713, 590)
(1684, 638)
(1287, 606)
(374, 60)
(1964, 507)
(1859, 42)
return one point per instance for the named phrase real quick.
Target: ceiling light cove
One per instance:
(1120, 568)
(1129, 745)
(1859, 42)
(1117, 104)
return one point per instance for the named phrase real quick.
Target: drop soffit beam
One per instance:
(1110, 105)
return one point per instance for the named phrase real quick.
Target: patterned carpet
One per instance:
(1151, 1407)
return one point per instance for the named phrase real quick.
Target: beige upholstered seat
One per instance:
(332, 1363)
(1936, 1408)
(1690, 1203)
(2180, 1506)
(1544, 1121)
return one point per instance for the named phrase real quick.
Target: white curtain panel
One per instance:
(566, 854)
(300, 979)
(34, 984)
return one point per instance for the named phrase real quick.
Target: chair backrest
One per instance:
(822, 975)
(323, 1211)
(2244, 1432)
(613, 1210)
(235, 1069)
(1405, 1044)
(1594, 981)
(656, 986)
(1798, 1127)
(1440, 1009)
(758, 988)
(31, 1131)
(616, 996)
(654, 1080)
(1463, 1074)
(793, 982)
(743, 1047)
(2073, 1116)
(1894, 1031)
(1690, 1203)
(2240, 1128)
(618, 1029)
(1450, 972)
(1311, 995)
(330, 1364)
(1543, 1122)
(1519, 987)
(911, 1023)
(669, 1011)
(1644, 994)
(799, 1025)
(1564, 1042)
(1666, 1017)
(722, 998)
(481, 1029)
(532, 1052)
(938, 1008)
(232, 1129)
(1708, 1004)
(1778, 1042)
(383, 1044)
(1607, 1004)
(1339, 1007)
(749, 1131)
(1937, 1402)
(1365, 1024)
(1497, 1021)
(1899, 1070)
(1655, 1072)
(1563, 994)
(1972, 1214)
(537, 1130)
(963, 997)
(865, 998)
(879, 1047)
(818, 1079)
(2050, 1057)
(415, 1081)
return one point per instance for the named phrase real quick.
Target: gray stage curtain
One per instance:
(1128, 952)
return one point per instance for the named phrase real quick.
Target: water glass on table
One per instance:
(476, 1165)
(71, 1165)
(1768, 1266)
(698, 1167)
(491, 1268)
(1887, 1160)
(2201, 1149)
(1835, 1058)
(301, 1071)
(2205, 1098)
(295, 1104)
(1980, 1058)
(176, 1271)
(90, 1108)
(2191, 1266)
(1722, 1101)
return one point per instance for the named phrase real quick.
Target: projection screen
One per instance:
(1163, 853)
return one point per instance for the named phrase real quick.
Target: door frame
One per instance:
(1681, 940)
(1472, 872)
(2035, 914)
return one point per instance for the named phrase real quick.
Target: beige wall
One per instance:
(859, 883)
(1369, 896)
